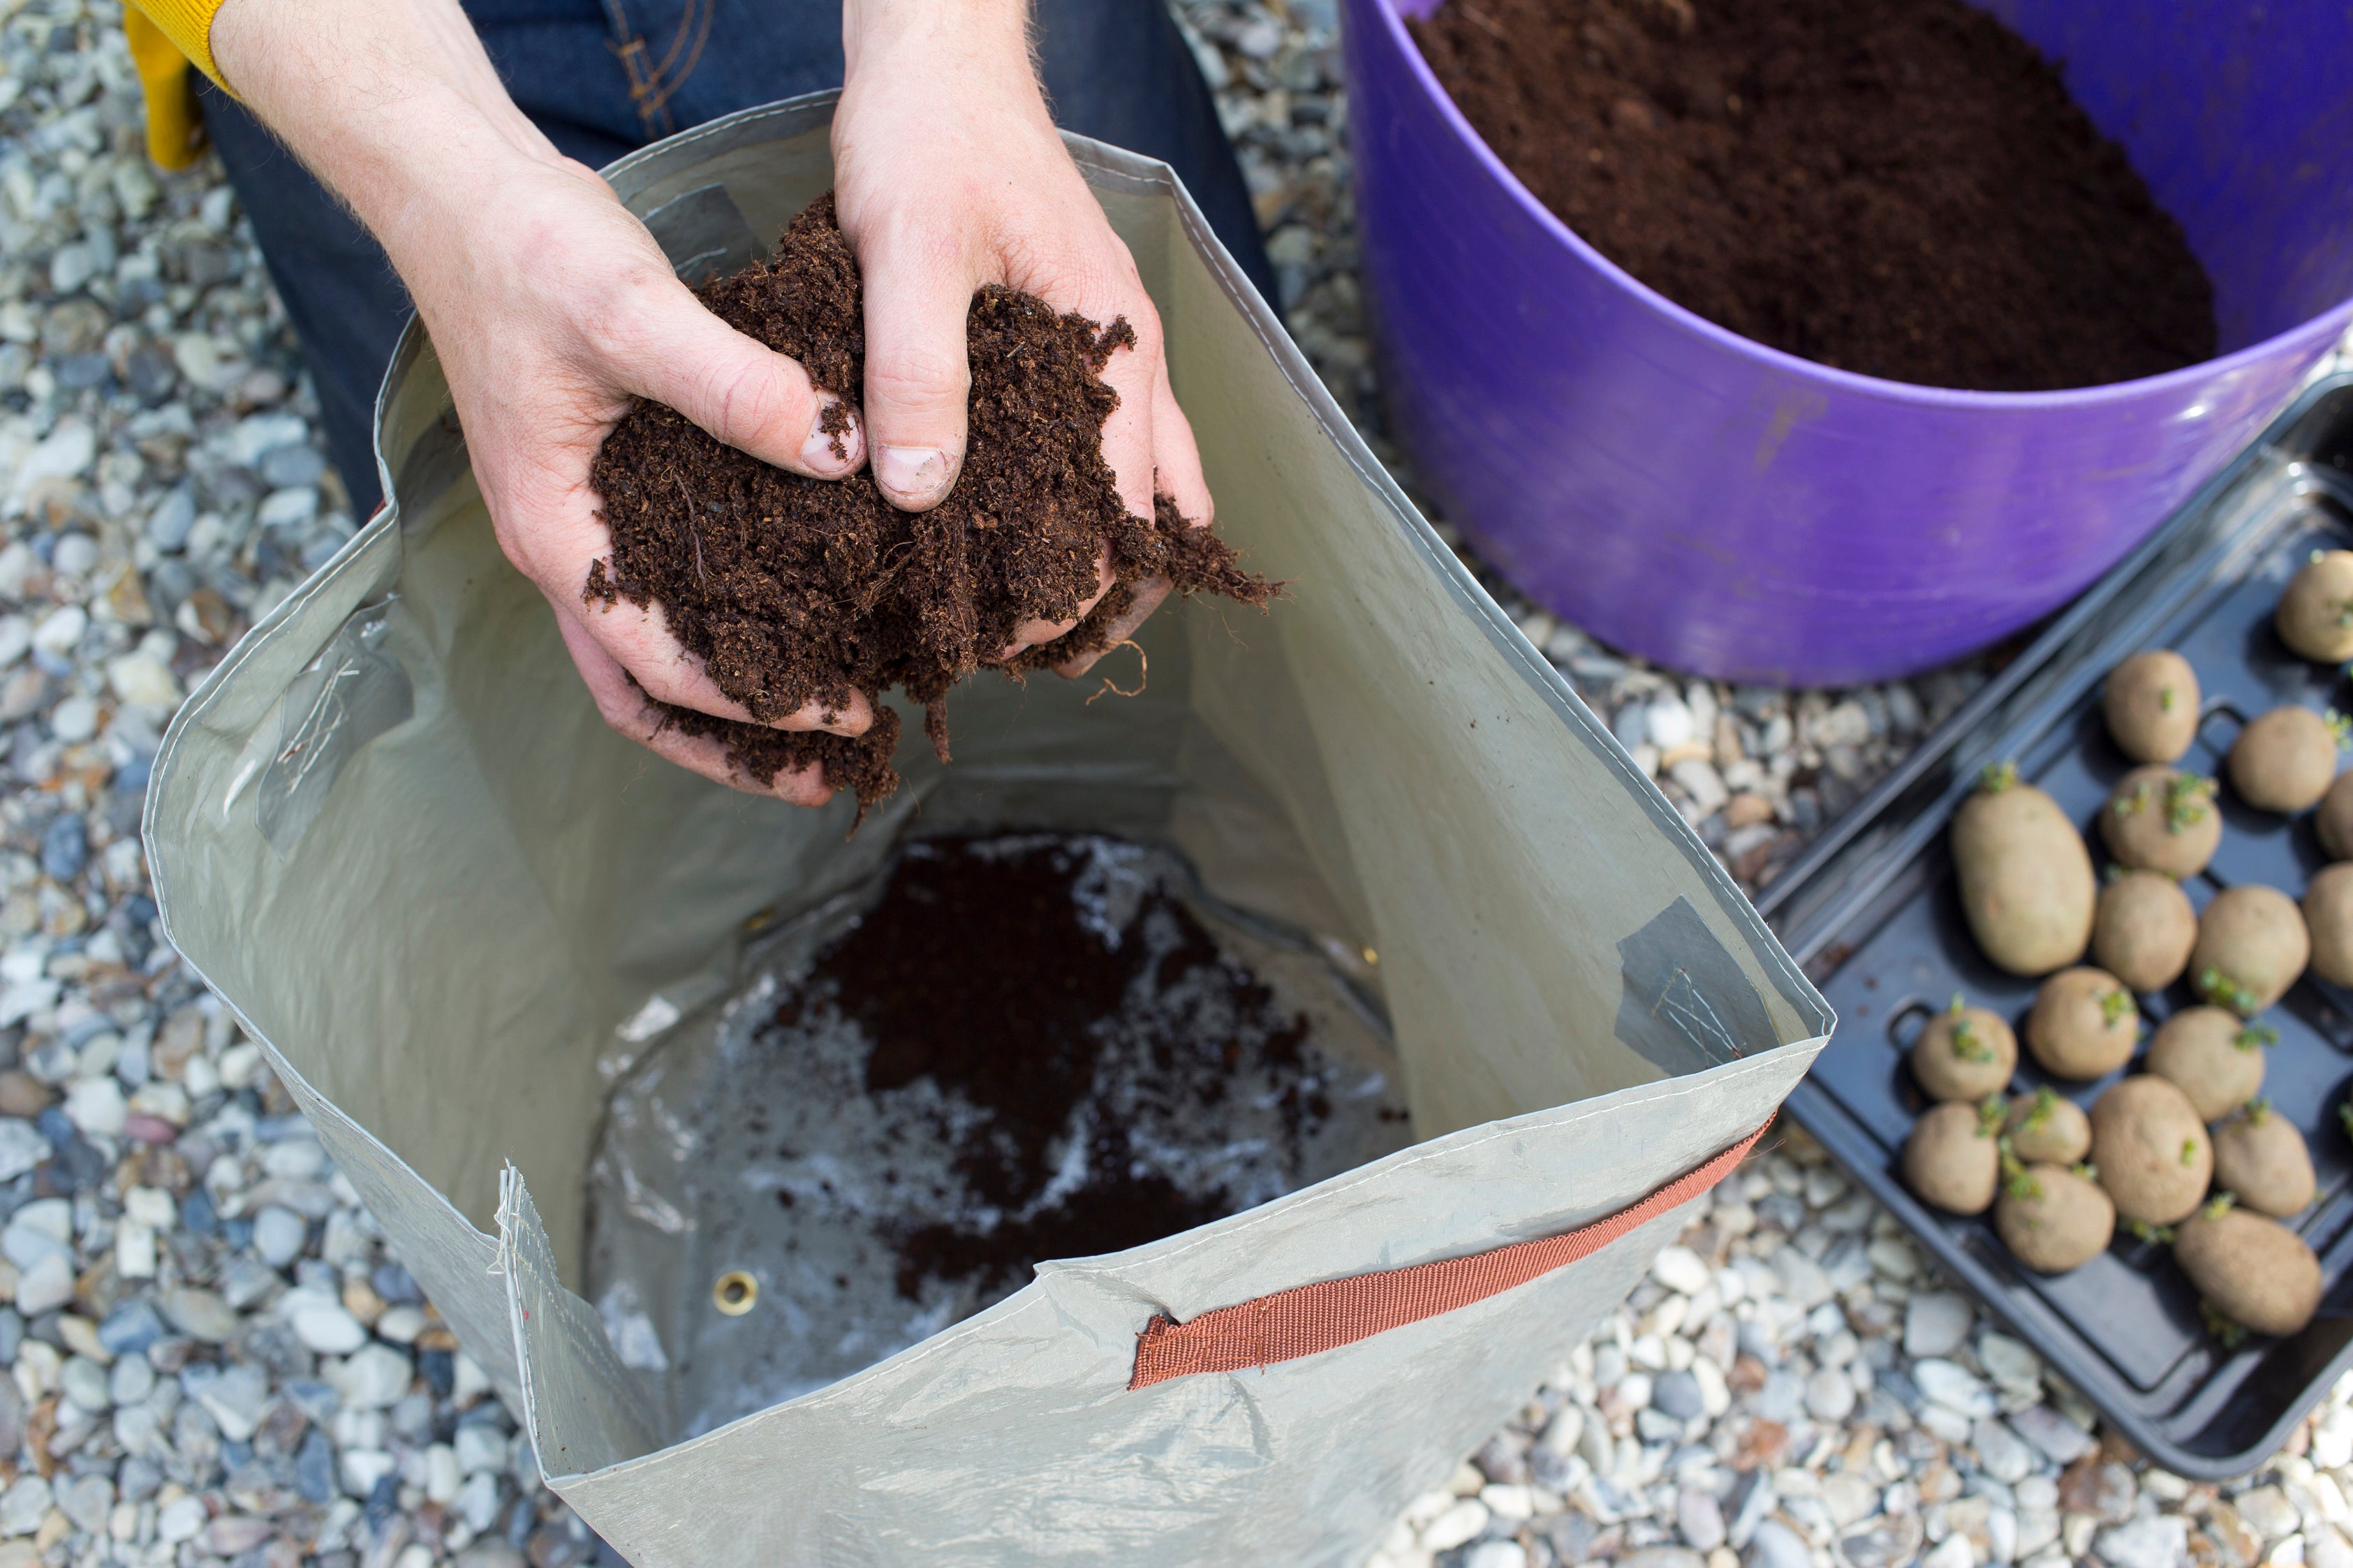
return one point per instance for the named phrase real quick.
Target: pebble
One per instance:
(1678, 1395)
(2159, 1542)
(1775, 1546)
(1699, 1517)
(1953, 1386)
(1461, 1522)
(1936, 1323)
(2059, 1438)
(1831, 1395)
(1680, 1269)
(199, 1314)
(279, 1235)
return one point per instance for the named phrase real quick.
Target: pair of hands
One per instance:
(550, 307)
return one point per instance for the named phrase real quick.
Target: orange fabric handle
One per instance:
(1308, 1320)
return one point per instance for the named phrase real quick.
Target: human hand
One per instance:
(550, 307)
(948, 175)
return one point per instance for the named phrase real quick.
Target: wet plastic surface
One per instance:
(1882, 931)
(754, 1146)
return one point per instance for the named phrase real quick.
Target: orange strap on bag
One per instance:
(1308, 1320)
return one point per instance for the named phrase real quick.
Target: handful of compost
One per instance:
(795, 591)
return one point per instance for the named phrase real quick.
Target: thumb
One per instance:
(917, 376)
(739, 390)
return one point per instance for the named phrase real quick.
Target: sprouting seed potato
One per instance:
(2026, 878)
(2085, 1024)
(1963, 1053)
(2150, 702)
(2151, 1150)
(2252, 945)
(2213, 1055)
(2250, 1268)
(2334, 820)
(2162, 819)
(1952, 1161)
(2328, 921)
(2315, 614)
(2285, 760)
(2046, 1127)
(2261, 1159)
(2143, 930)
(2052, 1218)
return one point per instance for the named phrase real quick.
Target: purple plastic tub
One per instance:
(1724, 508)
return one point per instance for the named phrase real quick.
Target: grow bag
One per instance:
(456, 910)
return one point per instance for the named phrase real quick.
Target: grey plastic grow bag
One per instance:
(453, 907)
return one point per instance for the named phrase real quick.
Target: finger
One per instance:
(1177, 456)
(744, 392)
(628, 710)
(1178, 473)
(638, 639)
(918, 378)
(1030, 633)
(1148, 595)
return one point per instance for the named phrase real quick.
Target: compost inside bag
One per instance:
(394, 835)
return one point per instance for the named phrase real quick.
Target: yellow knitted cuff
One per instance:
(176, 131)
(189, 25)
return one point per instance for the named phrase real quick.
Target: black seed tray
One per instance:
(1873, 913)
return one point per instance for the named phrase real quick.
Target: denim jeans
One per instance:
(602, 78)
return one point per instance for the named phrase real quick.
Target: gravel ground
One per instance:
(213, 1359)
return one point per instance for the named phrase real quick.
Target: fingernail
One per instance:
(832, 443)
(916, 476)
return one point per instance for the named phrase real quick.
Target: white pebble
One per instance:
(140, 680)
(329, 1329)
(1461, 1522)
(1935, 1322)
(181, 1519)
(95, 1105)
(74, 720)
(1681, 1269)
(1668, 723)
(60, 630)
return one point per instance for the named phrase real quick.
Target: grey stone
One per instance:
(199, 1314)
(1779, 1400)
(1700, 1518)
(130, 1380)
(1775, 1546)
(279, 1235)
(1954, 1386)
(2004, 1455)
(1677, 1394)
(2060, 1438)
(131, 1328)
(1829, 1394)
(1662, 1557)
(84, 1381)
(373, 1378)
(1935, 1322)
(232, 1395)
(87, 1501)
(1885, 1542)
(2161, 1542)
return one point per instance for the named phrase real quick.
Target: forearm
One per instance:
(393, 103)
(989, 35)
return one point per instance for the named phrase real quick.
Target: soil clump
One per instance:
(1069, 1046)
(794, 591)
(1900, 188)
